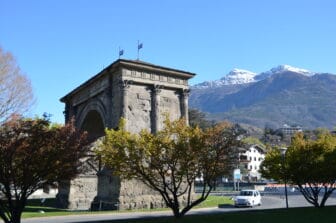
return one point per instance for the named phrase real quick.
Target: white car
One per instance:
(247, 198)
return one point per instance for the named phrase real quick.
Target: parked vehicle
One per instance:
(247, 198)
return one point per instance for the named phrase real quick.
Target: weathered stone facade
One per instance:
(141, 93)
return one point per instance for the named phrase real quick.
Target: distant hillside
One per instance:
(282, 96)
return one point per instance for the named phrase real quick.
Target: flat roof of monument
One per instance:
(131, 64)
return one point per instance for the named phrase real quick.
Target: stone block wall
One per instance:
(136, 195)
(78, 194)
(139, 109)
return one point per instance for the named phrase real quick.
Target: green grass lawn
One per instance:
(292, 215)
(214, 201)
(34, 208)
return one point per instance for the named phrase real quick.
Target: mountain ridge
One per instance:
(241, 76)
(287, 96)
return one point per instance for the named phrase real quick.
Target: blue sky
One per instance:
(60, 44)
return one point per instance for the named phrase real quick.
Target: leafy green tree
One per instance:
(34, 154)
(197, 118)
(310, 164)
(273, 166)
(253, 141)
(170, 160)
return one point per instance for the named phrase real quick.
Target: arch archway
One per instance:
(93, 123)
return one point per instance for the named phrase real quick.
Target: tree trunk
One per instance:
(16, 216)
(309, 194)
(325, 197)
(176, 212)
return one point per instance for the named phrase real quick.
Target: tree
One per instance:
(197, 118)
(16, 94)
(253, 141)
(310, 164)
(34, 154)
(170, 160)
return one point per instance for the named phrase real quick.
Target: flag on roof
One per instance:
(140, 45)
(121, 52)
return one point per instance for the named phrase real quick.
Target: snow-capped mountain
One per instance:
(283, 68)
(239, 76)
(281, 95)
(236, 76)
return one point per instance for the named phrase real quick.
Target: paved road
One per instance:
(268, 202)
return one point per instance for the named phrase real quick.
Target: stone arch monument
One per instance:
(141, 93)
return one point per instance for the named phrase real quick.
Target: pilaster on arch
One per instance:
(156, 90)
(184, 104)
(124, 86)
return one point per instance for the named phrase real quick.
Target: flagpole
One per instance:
(138, 50)
(119, 52)
(140, 45)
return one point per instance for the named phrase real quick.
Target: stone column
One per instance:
(124, 86)
(156, 108)
(184, 104)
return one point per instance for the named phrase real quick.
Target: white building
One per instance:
(251, 159)
(288, 130)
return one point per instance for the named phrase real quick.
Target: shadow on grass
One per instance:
(143, 220)
(292, 215)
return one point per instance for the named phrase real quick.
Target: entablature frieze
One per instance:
(156, 87)
(154, 77)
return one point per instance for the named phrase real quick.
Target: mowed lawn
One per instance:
(35, 209)
(291, 215)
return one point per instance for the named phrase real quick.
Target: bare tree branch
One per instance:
(16, 95)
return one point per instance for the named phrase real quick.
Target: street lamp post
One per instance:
(283, 154)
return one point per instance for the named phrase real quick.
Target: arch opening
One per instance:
(93, 124)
